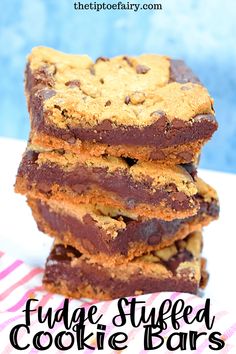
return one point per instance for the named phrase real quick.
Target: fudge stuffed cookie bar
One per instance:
(111, 235)
(175, 268)
(148, 189)
(122, 106)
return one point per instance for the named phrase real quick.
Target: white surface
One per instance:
(20, 238)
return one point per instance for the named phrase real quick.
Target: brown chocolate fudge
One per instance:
(147, 107)
(116, 237)
(148, 189)
(175, 268)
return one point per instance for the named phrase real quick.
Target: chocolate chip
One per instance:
(108, 103)
(142, 69)
(158, 114)
(57, 107)
(127, 100)
(128, 61)
(137, 97)
(73, 83)
(92, 70)
(32, 156)
(46, 94)
(71, 140)
(102, 59)
(102, 81)
(64, 113)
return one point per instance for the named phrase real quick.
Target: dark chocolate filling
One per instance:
(81, 179)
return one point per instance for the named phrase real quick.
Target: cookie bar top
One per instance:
(175, 268)
(135, 91)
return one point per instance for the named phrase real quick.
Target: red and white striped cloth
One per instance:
(19, 282)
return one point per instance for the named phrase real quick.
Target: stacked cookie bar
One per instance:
(110, 171)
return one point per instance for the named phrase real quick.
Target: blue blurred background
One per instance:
(202, 32)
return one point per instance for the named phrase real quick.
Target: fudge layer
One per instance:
(143, 107)
(175, 268)
(108, 234)
(148, 189)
